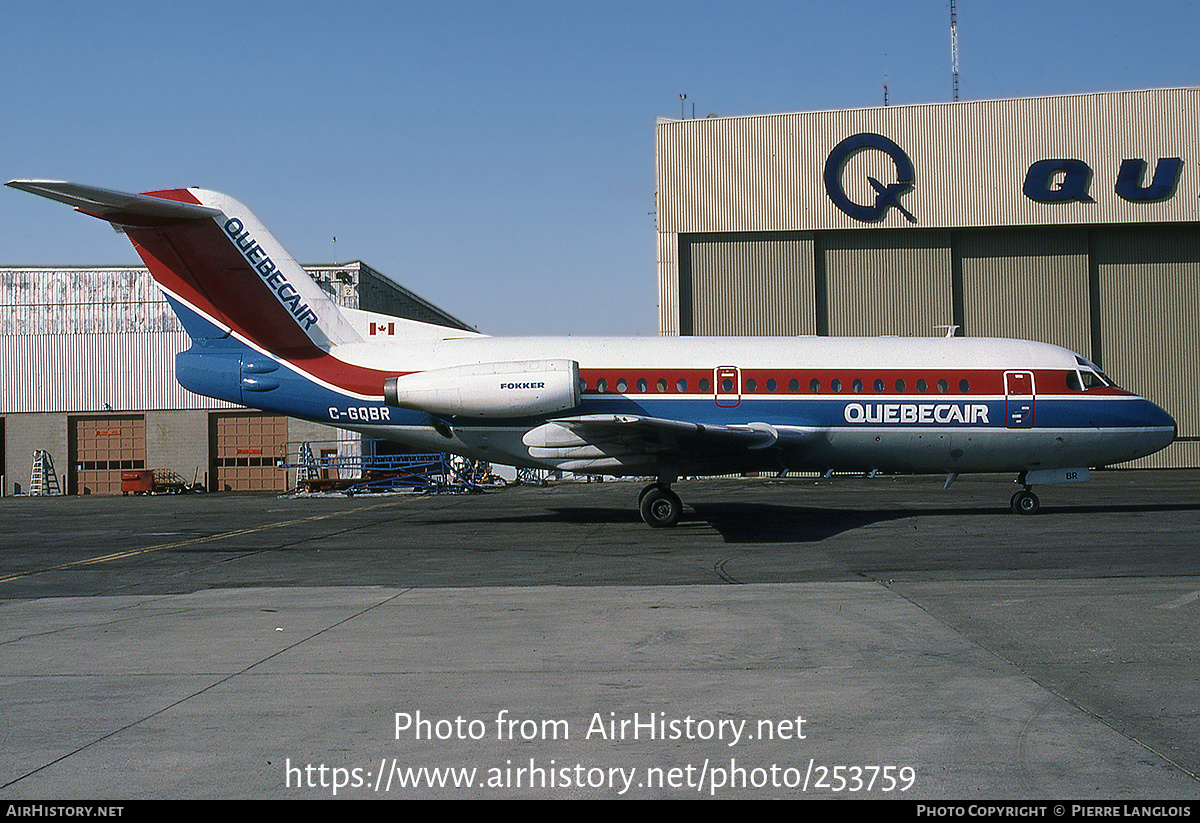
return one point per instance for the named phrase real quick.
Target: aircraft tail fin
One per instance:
(215, 260)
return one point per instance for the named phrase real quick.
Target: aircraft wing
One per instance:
(638, 434)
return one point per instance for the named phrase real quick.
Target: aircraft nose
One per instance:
(1165, 418)
(1160, 427)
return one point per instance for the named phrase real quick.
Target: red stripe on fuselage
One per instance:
(978, 381)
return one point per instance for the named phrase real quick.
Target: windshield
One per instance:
(1090, 376)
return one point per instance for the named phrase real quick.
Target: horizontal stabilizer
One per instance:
(115, 206)
(221, 266)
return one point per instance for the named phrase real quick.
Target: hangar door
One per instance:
(747, 284)
(101, 447)
(245, 449)
(882, 282)
(1149, 287)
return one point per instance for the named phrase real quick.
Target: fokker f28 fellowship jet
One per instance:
(265, 335)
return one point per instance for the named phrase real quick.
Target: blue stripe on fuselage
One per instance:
(1098, 411)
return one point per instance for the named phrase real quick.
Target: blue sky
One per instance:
(497, 158)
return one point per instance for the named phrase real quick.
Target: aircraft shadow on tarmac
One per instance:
(770, 523)
(735, 522)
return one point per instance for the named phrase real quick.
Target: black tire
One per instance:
(661, 508)
(1025, 502)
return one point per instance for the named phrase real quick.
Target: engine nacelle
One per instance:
(517, 389)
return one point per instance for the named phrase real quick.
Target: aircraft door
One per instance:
(727, 386)
(1019, 399)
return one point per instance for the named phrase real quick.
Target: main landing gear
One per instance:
(660, 507)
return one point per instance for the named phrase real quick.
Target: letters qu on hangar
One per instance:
(1049, 180)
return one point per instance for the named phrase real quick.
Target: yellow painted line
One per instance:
(105, 558)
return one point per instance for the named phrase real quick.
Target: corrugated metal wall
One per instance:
(766, 172)
(94, 371)
(1030, 284)
(1150, 323)
(752, 287)
(888, 283)
(89, 339)
(82, 301)
(668, 285)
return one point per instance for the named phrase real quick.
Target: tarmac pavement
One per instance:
(848, 637)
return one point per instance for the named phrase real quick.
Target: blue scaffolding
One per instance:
(356, 466)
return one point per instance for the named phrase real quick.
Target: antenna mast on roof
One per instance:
(954, 48)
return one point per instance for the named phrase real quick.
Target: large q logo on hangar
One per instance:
(887, 196)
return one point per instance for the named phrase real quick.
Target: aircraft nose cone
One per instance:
(1160, 427)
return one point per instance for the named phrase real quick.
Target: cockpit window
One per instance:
(1088, 376)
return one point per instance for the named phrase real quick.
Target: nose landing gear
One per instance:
(1025, 502)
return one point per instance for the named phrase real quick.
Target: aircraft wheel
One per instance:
(660, 507)
(1025, 502)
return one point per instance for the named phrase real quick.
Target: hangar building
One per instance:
(89, 376)
(1071, 220)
